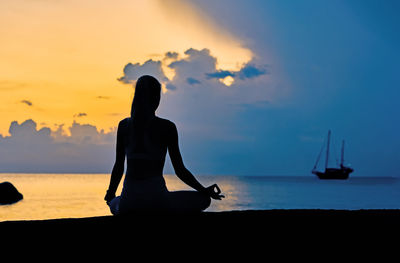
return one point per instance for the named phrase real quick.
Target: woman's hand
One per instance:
(109, 196)
(214, 192)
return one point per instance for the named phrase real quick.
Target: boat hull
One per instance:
(333, 173)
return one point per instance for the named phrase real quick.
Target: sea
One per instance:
(50, 196)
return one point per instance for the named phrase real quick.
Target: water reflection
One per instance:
(49, 196)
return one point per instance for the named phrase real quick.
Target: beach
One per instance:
(250, 235)
(244, 222)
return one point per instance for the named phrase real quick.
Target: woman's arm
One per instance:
(118, 169)
(173, 149)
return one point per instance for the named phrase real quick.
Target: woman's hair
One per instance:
(147, 97)
(144, 104)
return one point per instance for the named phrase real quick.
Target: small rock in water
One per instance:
(9, 194)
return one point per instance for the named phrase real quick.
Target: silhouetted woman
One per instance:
(144, 139)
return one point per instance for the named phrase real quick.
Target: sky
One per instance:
(253, 86)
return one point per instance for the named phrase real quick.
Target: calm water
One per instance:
(81, 195)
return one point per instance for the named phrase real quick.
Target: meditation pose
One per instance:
(144, 139)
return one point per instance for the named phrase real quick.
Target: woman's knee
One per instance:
(189, 201)
(114, 205)
(205, 201)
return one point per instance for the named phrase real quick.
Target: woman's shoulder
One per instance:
(164, 122)
(124, 122)
(165, 125)
(123, 125)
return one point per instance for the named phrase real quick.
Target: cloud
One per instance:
(85, 150)
(133, 71)
(27, 102)
(199, 96)
(196, 67)
(206, 107)
(27, 130)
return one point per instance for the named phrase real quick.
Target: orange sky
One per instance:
(64, 57)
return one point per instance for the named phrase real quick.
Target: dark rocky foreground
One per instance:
(258, 231)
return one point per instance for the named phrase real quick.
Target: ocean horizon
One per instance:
(57, 195)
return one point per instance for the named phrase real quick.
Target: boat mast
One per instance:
(342, 157)
(327, 150)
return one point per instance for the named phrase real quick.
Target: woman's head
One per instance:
(147, 96)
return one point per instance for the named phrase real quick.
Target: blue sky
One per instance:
(340, 59)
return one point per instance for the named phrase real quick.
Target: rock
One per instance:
(9, 194)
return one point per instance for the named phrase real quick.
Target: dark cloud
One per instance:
(103, 97)
(220, 74)
(171, 55)
(80, 114)
(27, 102)
(170, 86)
(248, 71)
(251, 71)
(193, 81)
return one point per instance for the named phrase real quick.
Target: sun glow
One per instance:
(228, 80)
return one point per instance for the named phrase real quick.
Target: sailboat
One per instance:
(332, 173)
